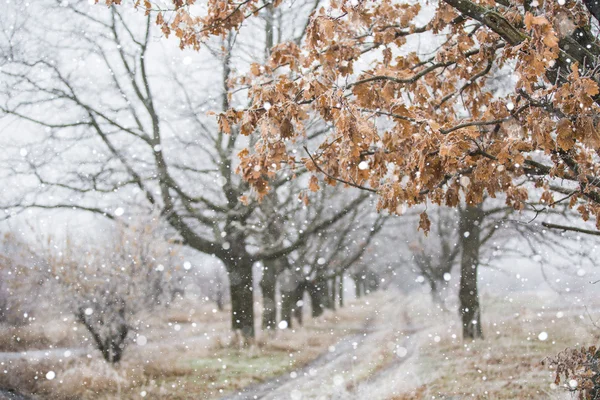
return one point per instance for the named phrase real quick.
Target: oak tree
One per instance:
(413, 125)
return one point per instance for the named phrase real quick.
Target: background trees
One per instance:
(435, 256)
(17, 278)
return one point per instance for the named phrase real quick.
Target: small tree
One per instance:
(108, 285)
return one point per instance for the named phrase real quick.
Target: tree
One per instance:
(414, 127)
(107, 286)
(463, 236)
(468, 295)
(292, 273)
(213, 285)
(366, 280)
(330, 255)
(435, 256)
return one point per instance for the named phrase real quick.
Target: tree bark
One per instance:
(268, 284)
(219, 298)
(372, 282)
(289, 285)
(470, 220)
(435, 294)
(298, 300)
(109, 330)
(242, 299)
(439, 293)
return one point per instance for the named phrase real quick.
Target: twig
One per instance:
(335, 178)
(570, 228)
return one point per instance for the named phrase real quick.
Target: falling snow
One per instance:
(321, 203)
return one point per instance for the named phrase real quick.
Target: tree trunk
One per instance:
(219, 298)
(316, 289)
(341, 289)
(439, 292)
(299, 302)
(372, 282)
(435, 294)
(109, 331)
(287, 306)
(242, 299)
(268, 284)
(332, 293)
(289, 284)
(357, 285)
(470, 310)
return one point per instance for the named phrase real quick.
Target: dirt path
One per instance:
(352, 369)
(329, 364)
(398, 376)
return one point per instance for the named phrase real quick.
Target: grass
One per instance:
(226, 371)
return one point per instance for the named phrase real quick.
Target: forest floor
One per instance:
(384, 346)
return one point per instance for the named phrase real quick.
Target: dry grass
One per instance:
(508, 363)
(77, 378)
(42, 335)
(190, 355)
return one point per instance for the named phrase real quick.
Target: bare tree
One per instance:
(461, 237)
(435, 256)
(108, 285)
